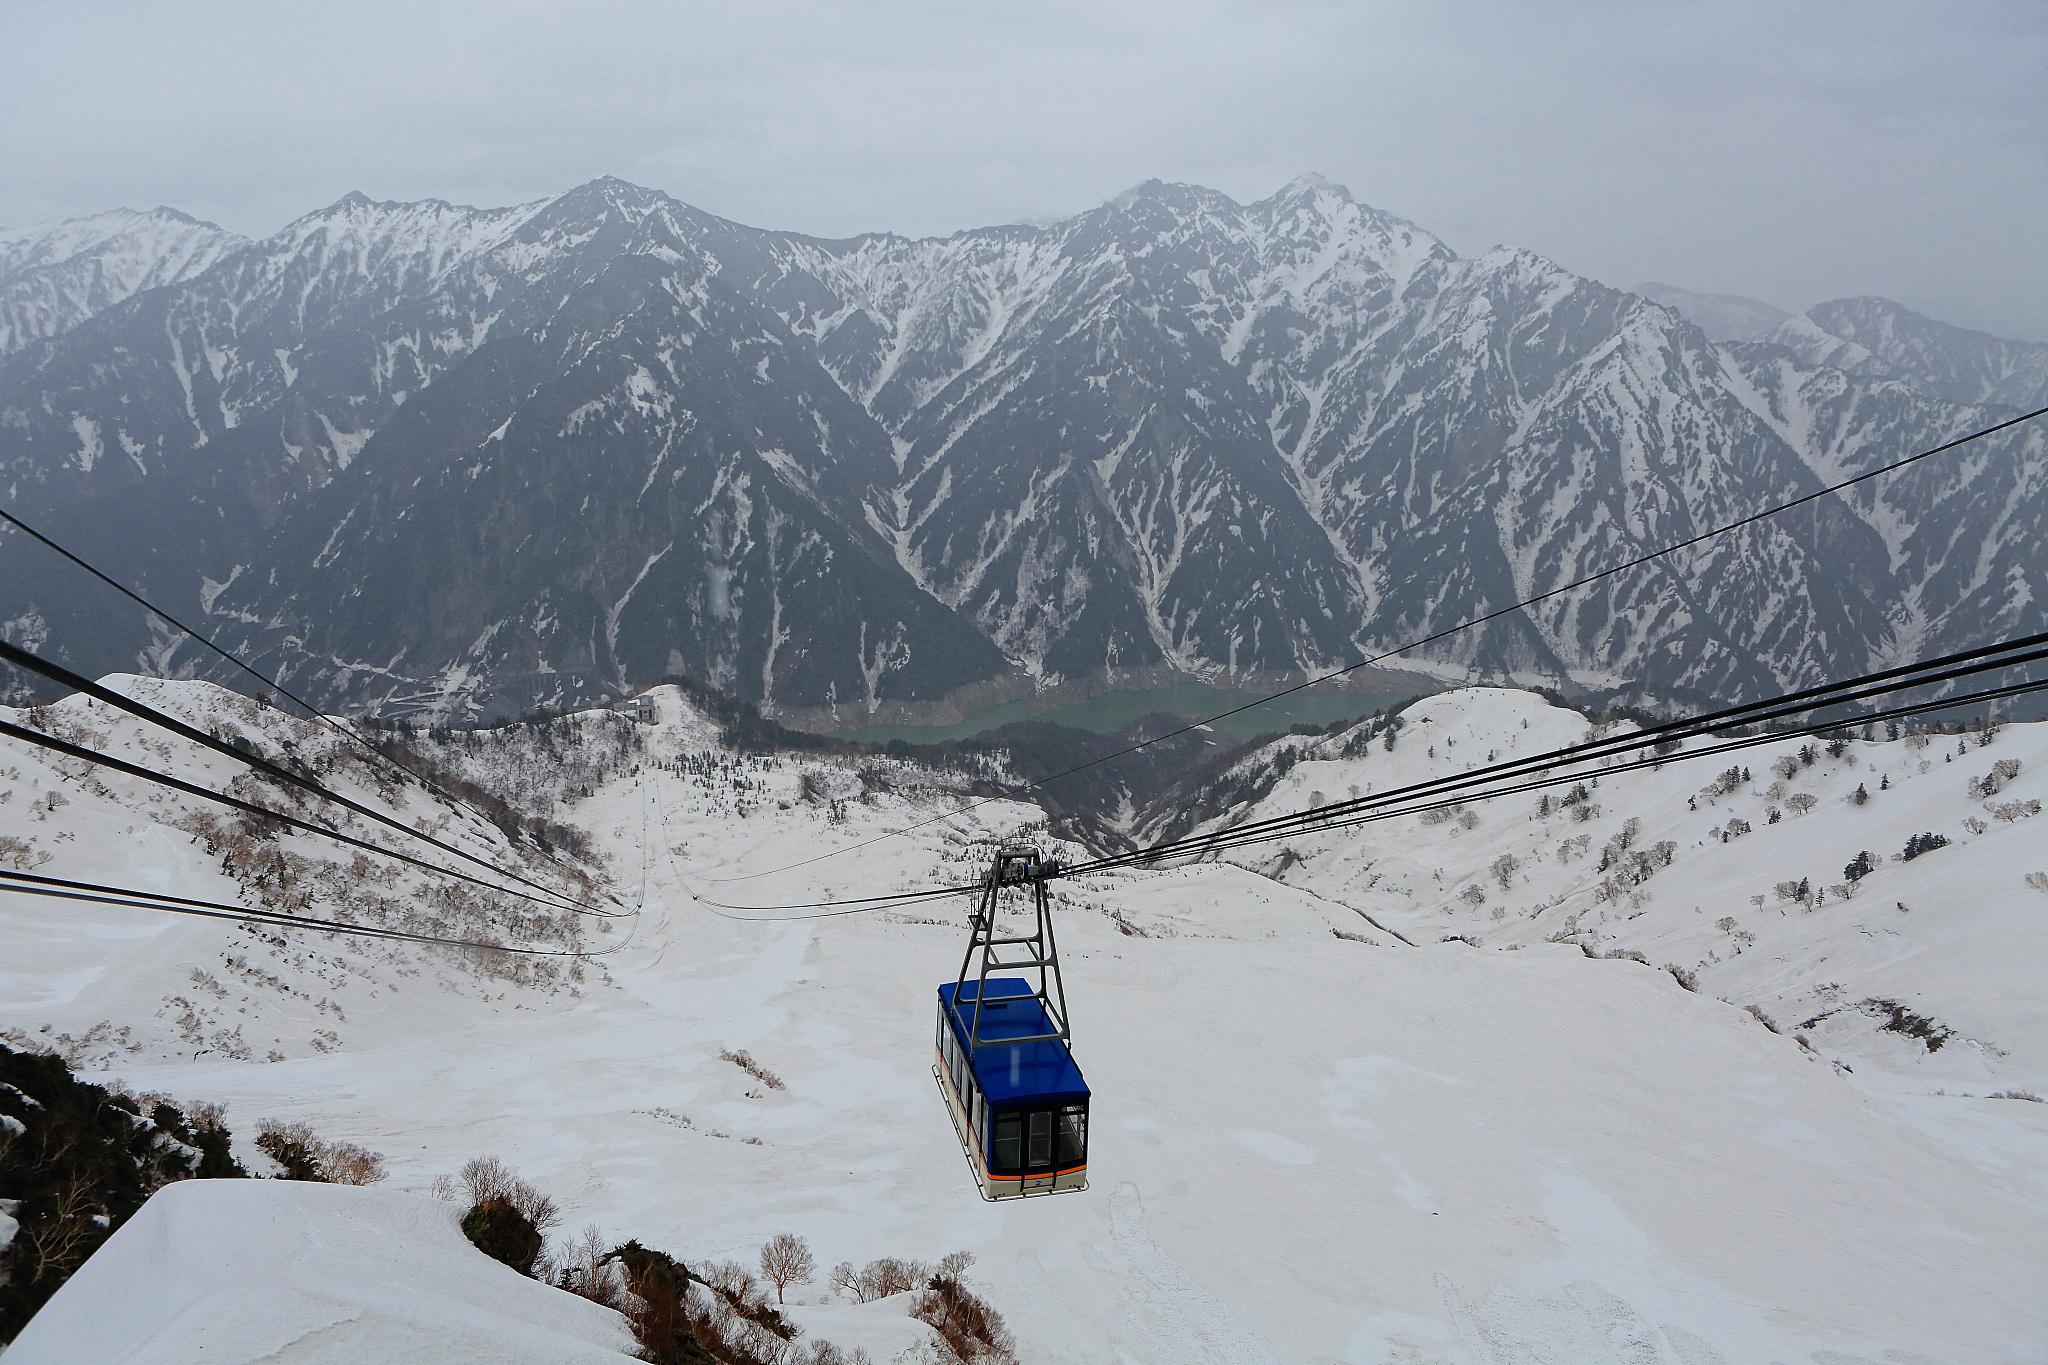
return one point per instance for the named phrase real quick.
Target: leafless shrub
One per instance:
(20, 854)
(206, 1116)
(306, 1156)
(887, 1275)
(586, 1268)
(1689, 980)
(745, 1062)
(1992, 782)
(966, 1322)
(2038, 880)
(1763, 1019)
(487, 1177)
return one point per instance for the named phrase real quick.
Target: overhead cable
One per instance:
(1417, 643)
(22, 658)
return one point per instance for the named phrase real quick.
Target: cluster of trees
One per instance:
(1922, 843)
(1993, 782)
(718, 1313)
(303, 1155)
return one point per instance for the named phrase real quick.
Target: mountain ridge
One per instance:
(480, 459)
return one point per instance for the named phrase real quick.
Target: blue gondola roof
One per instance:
(1014, 1073)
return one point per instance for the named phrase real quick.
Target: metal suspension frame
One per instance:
(1015, 865)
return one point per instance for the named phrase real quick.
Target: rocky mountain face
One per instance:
(418, 455)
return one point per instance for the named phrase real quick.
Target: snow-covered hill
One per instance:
(107, 990)
(1311, 1141)
(248, 1271)
(424, 457)
(1916, 968)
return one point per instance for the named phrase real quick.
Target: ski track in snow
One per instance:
(1172, 1307)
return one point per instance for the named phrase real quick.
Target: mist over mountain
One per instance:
(1724, 317)
(422, 456)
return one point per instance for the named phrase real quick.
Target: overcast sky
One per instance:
(1791, 151)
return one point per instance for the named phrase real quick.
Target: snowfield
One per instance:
(1312, 1141)
(246, 1271)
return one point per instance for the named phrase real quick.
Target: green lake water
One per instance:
(1112, 711)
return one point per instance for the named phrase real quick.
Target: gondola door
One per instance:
(1038, 1167)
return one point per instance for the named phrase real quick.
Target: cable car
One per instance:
(1019, 1103)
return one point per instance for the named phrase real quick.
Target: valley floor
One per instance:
(1306, 1147)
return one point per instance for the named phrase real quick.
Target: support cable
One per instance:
(1225, 840)
(2026, 649)
(21, 658)
(120, 765)
(61, 888)
(347, 732)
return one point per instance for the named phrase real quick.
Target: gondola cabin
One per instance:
(1018, 1101)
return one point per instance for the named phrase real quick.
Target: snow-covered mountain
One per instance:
(53, 278)
(1724, 317)
(1310, 1140)
(422, 455)
(1872, 336)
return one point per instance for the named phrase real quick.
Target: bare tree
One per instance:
(485, 1177)
(1504, 869)
(588, 1270)
(55, 1244)
(787, 1260)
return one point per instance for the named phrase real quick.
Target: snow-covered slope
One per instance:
(53, 278)
(248, 1271)
(110, 989)
(1311, 1141)
(1698, 864)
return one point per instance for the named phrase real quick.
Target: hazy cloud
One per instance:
(1793, 152)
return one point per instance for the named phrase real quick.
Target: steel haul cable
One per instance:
(1965, 663)
(120, 765)
(1225, 839)
(347, 732)
(60, 888)
(1432, 793)
(24, 659)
